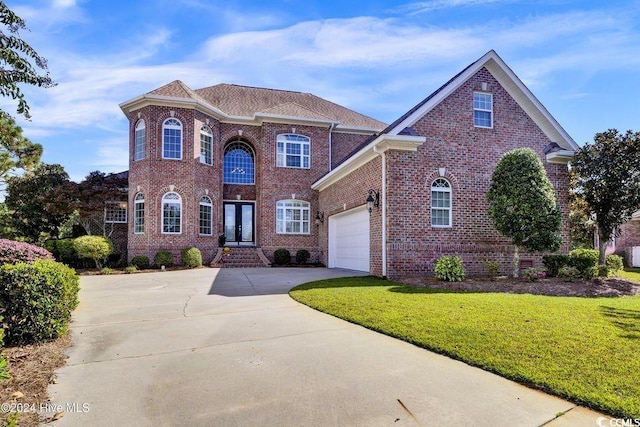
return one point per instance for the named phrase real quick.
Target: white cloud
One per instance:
(428, 6)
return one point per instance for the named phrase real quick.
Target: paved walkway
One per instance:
(228, 347)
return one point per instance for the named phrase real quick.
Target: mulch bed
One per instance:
(32, 369)
(598, 287)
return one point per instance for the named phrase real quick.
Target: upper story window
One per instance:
(138, 214)
(206, 145)
(206, 210)
(139, 140)
(238, 164)
(292, 217)
(293, 151)
(172, 139)
(171, 214)
(441, 203)
(115, 212)
(482, 110)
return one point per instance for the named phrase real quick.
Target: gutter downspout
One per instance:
(383, 190)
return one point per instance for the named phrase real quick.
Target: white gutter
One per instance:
(383, 190)
(560, 156)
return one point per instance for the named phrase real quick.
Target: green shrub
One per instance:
(534, 274)
(163, 258)
(191, 257)
(37, 300)
(130, 269)
(4, 372)
(568, 273)
(553, 263)
(12, 252)
(106, 271)
(281, 256)
(97, 248)
(302, 256)
(492, 268)
(450, 269)
(614, 264)
(586, 261)
(140, 261)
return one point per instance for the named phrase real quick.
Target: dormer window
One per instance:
(482, 110)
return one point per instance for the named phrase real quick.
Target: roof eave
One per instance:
(560, 156)
(281, 118)
(357, 129)
(366, 154)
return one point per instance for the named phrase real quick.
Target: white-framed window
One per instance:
(171, 213)
(440, 203)
(206, 145)
(172, 139)
(238, 164)
(138, 214)
(115, 212)
(139, 140)
(292, 217)
(482, 110)
(293, 151)
(206, 216)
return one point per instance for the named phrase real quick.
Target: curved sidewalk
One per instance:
(228, 347)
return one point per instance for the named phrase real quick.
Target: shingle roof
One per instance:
(247, 101)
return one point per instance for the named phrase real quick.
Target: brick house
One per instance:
(271, 168)
(627, 244)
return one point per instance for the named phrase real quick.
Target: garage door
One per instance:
(349, 240)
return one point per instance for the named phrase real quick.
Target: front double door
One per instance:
(239, 222)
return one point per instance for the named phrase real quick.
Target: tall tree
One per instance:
(19, 62)
(608, 178)
(581, 225)
(522, 204)
(92, 197)
(41, 202)
(16, 151)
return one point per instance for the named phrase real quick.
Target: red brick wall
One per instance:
(469, 155)
(348, 193)
(342, 144)
(628, 238)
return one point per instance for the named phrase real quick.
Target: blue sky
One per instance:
(580, 58)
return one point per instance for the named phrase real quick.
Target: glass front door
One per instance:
(239, 222)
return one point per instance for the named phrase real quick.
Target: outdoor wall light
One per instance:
(319, 218)
(373, 199)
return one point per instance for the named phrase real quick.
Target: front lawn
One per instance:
(631, 274)
(583, 349)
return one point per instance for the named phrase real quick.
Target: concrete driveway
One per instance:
(228, 347)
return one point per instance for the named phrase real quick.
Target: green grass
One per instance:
(630, 274)
(583, 349)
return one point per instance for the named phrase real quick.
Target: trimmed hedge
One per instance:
(281, 256)
(614, 264)
(191, 257)
(553, 263)
(302, 256)
(12, 252)
(141, 262)
(97, 248)
(163, 258)
(449, 268)
(37, 300)
(586, 261)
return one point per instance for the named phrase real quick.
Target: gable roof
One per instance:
(235, 103)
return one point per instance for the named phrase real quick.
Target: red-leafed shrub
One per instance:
(12, 252)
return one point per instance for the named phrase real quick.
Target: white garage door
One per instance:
(349, 240)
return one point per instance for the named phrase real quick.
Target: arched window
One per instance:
(206, 209)
(206, 145)
(292, 217)
(138, 214)
(172, 139)
(171, 214)
(440, 203)
(238, 164)
(139, 140)
(293, 151)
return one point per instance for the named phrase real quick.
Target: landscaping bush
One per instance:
(97, 248)
(281, 256)
(568, 273)
(37, 300)
(614, 264)
(302, 256)
(163, 258)
(586, 261)
(492, 268)
(12, 252)
(191, 257)
(4, 372)
(534, 274)
(130, 269)
(106, 271)
(141, 262)
(449, 268)
(553, 263)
